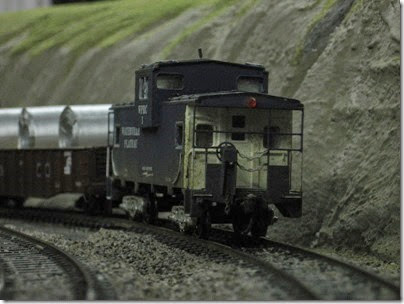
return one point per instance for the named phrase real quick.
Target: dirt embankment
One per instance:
(340, 57)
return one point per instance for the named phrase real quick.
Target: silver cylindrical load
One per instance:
(84, 126)
(39, 127)
(9, 127)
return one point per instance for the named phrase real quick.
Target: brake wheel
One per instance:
(221, 147)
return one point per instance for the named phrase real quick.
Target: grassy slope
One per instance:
(80, 27)
(219, 8)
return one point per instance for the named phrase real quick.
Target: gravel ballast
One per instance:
(328, 280)
(140, 267)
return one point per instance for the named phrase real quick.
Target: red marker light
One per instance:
(252, 103)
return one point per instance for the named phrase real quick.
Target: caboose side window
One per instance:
(143, 87)
(170, 81)
(117, 135)
(179, 131)
(250, 84)
(204, 135)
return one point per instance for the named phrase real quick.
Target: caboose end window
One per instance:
(204, 135)
(274, 139)
(250, 84)
(238, 122)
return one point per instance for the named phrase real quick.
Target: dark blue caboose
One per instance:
(204, 143)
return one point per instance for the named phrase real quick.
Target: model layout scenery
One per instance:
(202, 143)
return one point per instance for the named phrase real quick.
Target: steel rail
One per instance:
(3, 269)
(288, 249)
(302, 292)
(84, 285)
(215, 250)
(334, 261)
(225, 239)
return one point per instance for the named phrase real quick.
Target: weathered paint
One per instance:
(251, 147)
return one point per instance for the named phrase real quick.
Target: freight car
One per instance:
(84, 126)
(9, 130)
(38, 127)
(205, 142)
(45, 173)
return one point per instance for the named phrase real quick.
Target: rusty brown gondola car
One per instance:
(44, 173)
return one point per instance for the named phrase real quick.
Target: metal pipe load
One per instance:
(84, 126)
(39, 127)
(9, 127)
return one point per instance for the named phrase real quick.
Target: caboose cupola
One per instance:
(160, 81)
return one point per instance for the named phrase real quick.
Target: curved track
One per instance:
(324, 277)
(328, 277)
(331, 278)
(281, 285)
(35, 270)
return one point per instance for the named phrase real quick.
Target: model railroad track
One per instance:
(3, 282)
(281, 285)
(34, 270)
(324, 277)
(328, 277)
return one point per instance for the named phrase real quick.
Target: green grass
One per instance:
(246, 7)
(83, 26)
(358, 4)
(396, 59)
(219, 7)
(299, 49)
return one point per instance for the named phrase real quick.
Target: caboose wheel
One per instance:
(203, 225)
(91, 204)
(107, 207)
(240, 223)
(261, 221)
(150, 213)
(259, 228)
(252, 215)
(87, 203)
(14, 202)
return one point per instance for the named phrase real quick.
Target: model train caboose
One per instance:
(205, 142)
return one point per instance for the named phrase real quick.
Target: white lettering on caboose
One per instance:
(130, 131)
(142, 109)
(130, 143)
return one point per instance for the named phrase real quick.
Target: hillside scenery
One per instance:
(340, 58)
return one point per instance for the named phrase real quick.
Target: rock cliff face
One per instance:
(341, 58)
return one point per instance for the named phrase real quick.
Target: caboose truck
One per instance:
(205, 142)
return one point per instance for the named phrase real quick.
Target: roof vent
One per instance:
(254, 64)
(200, 53)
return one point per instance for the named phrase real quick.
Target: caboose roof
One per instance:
(237, 100)
(191, 62)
